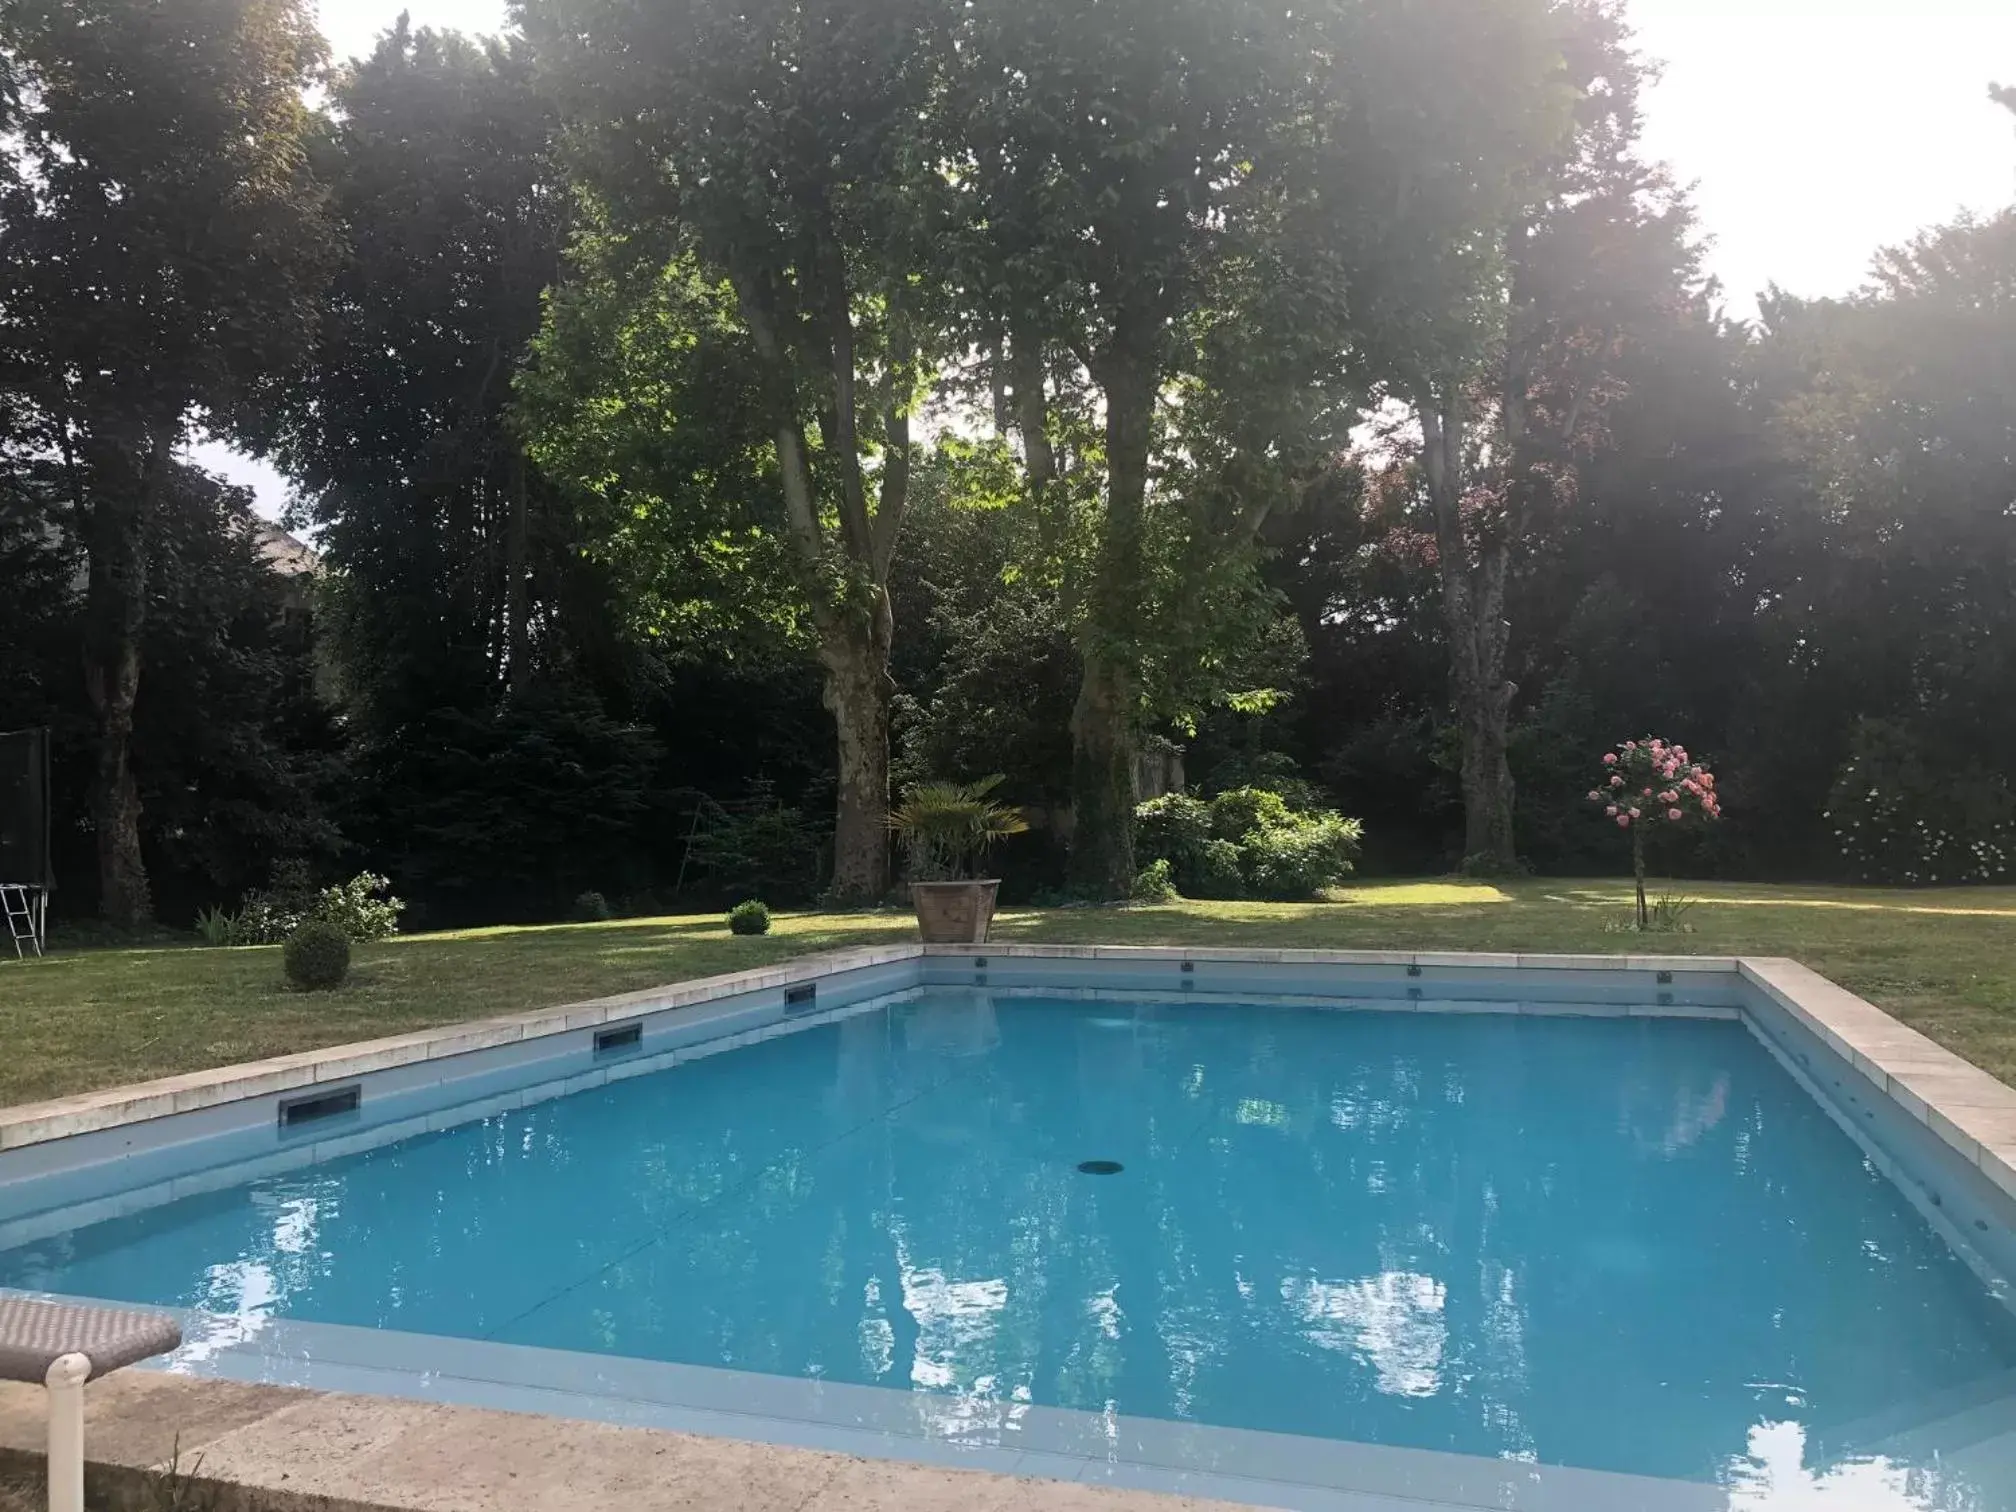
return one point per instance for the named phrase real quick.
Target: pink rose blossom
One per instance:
(1633, 813)
(1611, 811)
(1623, 821)
(1616, 782)
(1669, 797)
(1673, 813)
(1595, 795)
(1609, 758)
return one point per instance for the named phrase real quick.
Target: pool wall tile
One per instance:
(1937, 1161)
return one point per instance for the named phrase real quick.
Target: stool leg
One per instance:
(65, 1381)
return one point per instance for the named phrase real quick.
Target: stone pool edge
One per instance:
(141, 1102)
(265, 1448)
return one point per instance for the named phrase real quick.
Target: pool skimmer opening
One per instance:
(1101, 1167)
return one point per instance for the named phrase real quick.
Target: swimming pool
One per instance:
(1473, 1234)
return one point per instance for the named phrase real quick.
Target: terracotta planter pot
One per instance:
(954, 913)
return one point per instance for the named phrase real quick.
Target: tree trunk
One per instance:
(1102, 723)
(1638, 872)
(1473, 611)
(1102, 779)
(123, 481)
(856, 658)
(1487, 784)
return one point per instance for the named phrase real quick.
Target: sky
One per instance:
(1811, 132)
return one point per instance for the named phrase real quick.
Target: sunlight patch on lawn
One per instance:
(1420, 894)
(1622, 893)
(684, 923)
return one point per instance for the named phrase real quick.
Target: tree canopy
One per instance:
(707, 422)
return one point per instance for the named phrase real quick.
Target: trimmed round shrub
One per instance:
(750, 918)
(316, 956)
(591, 908)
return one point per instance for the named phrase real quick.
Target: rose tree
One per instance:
(1649, 784)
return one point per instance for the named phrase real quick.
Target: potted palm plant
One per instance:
(947, 829)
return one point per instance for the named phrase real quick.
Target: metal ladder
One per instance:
(23, 907)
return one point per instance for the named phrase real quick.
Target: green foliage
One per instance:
(162, 239)
(785, 153)
(217, 927)
(1240, 812)
(1234, 251)
(363, 908)
(1156, 883)
(1248, 842)
(750, 917)
(1668, 914)
(1175, 828)
(234, 756)
(590, 908)
(947, 828)
(644, 399)
(1299, 855)
(269, 915)
(171, 1488)
(316, 956)
(986, 658)
(762, 846)
(1900, 815)
(1219, 871)
(511, 811)
(446, 547)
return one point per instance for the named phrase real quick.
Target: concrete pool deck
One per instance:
(281, 1449)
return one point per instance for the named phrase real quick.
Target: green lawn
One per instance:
(1943, 960)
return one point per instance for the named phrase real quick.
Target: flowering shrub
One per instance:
(1649, 784)
(1901, 816)
(1248, 842)
(363, 908)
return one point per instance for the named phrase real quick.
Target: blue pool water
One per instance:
(1621, 1244)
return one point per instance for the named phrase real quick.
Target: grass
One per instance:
(1943, 960)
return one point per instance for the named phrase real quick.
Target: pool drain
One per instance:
(1101, 1167)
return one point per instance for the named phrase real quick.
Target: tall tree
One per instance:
(1599, 250)
(452, 557)
(160, 241)
(1192, 192)
(783, 147)
(231, 748)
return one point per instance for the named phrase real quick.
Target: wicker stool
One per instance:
(61, 1346)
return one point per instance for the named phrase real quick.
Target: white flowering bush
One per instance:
(1898, 818)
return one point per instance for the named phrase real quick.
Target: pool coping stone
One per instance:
(287, 1449)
